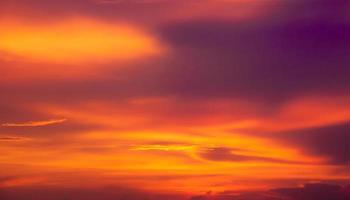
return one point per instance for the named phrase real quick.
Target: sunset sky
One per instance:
(174, 99)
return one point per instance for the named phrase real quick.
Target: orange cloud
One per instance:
(310, 111)
(74, 41)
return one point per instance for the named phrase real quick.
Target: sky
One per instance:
(174, 99)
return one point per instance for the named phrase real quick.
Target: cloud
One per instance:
(34, 123)
(332, 142)
(229, 155)
(60, 193)
(11, 138)
(161, 147)
(88, 41)
(316, 192)
(265, 59)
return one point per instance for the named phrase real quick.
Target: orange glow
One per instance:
(132, 158)
(127, 144)
(75, 41)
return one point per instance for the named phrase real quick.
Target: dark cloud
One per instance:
(307, 192)
(66, 193)
(271, 58)
(130, 11)
(264, 59)
(332, 142)
(229, 155)
(6, 178)
(316, 192)
(10, 138)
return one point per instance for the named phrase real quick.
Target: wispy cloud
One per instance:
(34, 123)
(229, 155)
(162, 147)
(129, 1)
(11, 138)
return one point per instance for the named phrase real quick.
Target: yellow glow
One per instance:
(75, 41)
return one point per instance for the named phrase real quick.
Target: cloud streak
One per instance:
(11, 139)
(229, 155)
(35, 123)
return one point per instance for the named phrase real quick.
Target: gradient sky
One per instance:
(147, 98)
